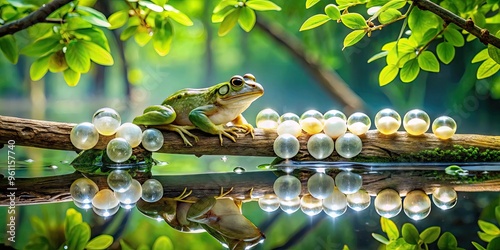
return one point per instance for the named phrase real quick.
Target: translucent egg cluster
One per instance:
(287, 187)
(267, 119)
(444, 197)
(444, 127)
(269, 202)
(84, 136)
(335, 204)
(311, 122)
(387, 121)
(358, 123)
(417, 205)
(388, 203)
(416, 122)
(290, 206)
(106, 121)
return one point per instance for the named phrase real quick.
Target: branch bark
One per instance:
(468, 25)
(33, 18)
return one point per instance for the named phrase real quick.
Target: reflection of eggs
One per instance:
(320, 185)
(335, 204)
(83, 190)
(269, 203)
(359, 201)
(132, 194)
(287, 187)
(444, 197)
(290, 206)
(417, 205)
(152, 190)
(310, 205)
(388, 203)
(348, 182)
(105, 199)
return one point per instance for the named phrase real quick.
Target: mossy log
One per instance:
(377, 147)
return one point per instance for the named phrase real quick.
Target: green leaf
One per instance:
(220, 15)
(486, 237)
(389, 15)
(380, 238)
(493, 51)
(420, 21)
(38, 242)
(39, 226)
(478, 247)
(142, 37)
(163, 243)
(57, 62)
(390, 228)
(128, 32)
(430, 234)
(71, 77)
(124, 245)
(229, 21)
(494, 244)
(354, 21)
(93, 16)
(487, 69)
(78, 236)
(488, 227)
(73, 218)
(118, 19)
(332, 11)
(314, 21)
(247, 19)
(428, 62)
(151, 6)
(98, 54)
(378, 56)
(428, 36)
(39, 68)
(159, 2)
(76, 22)
(410, 233)
(9, 48)
(400, 244)
(96, 36)
(41, 47)
(481, 56)
(445, 52)
(102, 241)
(262, 5)
(353, 37)
(311, 3)
(387, 74)
(454, 37)
(178, 16)
(409, 72)
(497, 210)
(77, 57)
(447, 241)
(223, 4)
(162, 38)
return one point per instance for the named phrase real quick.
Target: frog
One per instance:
(216, 110)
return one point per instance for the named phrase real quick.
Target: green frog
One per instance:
(208, 109)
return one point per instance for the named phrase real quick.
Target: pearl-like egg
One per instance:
(152, 139)
(131, 133)
(387, 121)
(286, 146)
(311, 122)
(358, 123)
(416, 122)
(84, 136)
(289, 116)
(335, 127)
(289, 127)
(287, 187)
(267, 119)
(348, 145)
(152, 190)
(320, 146)
(334, 113)
(388, 203)
(444, 127)
(417, 205)
(118, 150)
(106, 121)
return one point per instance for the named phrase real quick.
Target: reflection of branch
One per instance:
(33, 18)
(468, 25)
(330, 80)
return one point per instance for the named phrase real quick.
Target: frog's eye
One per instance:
(249, 76)
(237, 81)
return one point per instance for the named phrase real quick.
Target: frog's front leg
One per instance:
(200, 118)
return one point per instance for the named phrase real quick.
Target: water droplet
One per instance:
(29, 160)
(223, 158)
(239, 170)
(54, 167)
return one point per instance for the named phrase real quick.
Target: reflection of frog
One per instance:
(220, 216)
(208, 109)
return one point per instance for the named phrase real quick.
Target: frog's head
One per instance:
(240, 90)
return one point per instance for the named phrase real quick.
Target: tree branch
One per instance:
(468, 25)
(33, 18)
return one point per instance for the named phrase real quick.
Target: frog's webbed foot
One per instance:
(181, 130)
(182, 197)
(229, 132)
(246, 128)
(222, 193)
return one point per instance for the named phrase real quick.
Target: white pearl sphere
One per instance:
(287, 187)
(290, 206)
(310, 205)
(83, 190)
(348, 182)
(388, 203)
(444, 197)
(320, 146)
(416, 122)
(84, 136)
(335, 127)
(289, 127)
(286, 146)
(105, 199)
(118, 150)
(335, 204)
(267, 119)
(131, 195)
(152, 139)
(334, 113)
(387, 121)
(119, 180)
(106, 121)
(444, 127)
(358, 123)
(152, 190)
(106, 212)
(269, 202)
(289, 116)
(131, 133)
(320, 185)
(417, 205)
(348, 145)
(359, 201)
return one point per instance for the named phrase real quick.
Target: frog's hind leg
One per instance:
(223, 194)
(182, 197)
(181, 130)
(241, 123)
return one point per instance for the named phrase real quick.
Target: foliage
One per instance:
(96, 161)
(76, 232)
(161, 243)
(410, 238)
(489, 233)
(408, 56)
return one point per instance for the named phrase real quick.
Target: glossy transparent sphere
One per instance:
(417, 205)
(289, 116)
(444, 127)
(320, 185)
(348, 182)
(84, 136)
(444, 197)
(358, 123)
(239, 170)
(152, 190)
(105, 199)
(83, 205)
(310, 205)
(335, 204)
(311, 122)
(267, 119)
(359, 201)
(131, 133)
(118, 150)
(387, 121)
(152, 139)
(388, 203)
(286, 146)
(127, 205)
(106, 121)
(334, 113)
(290, 206)
(348, 145)
(119, 180)
(320, 146)
(287, 187)
(289, 127)
(106, 212)
(416, 122)
(269, 203)
(335, 127)
(83, 190)
(131, 195)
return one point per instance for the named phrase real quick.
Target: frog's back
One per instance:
(185, 100)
